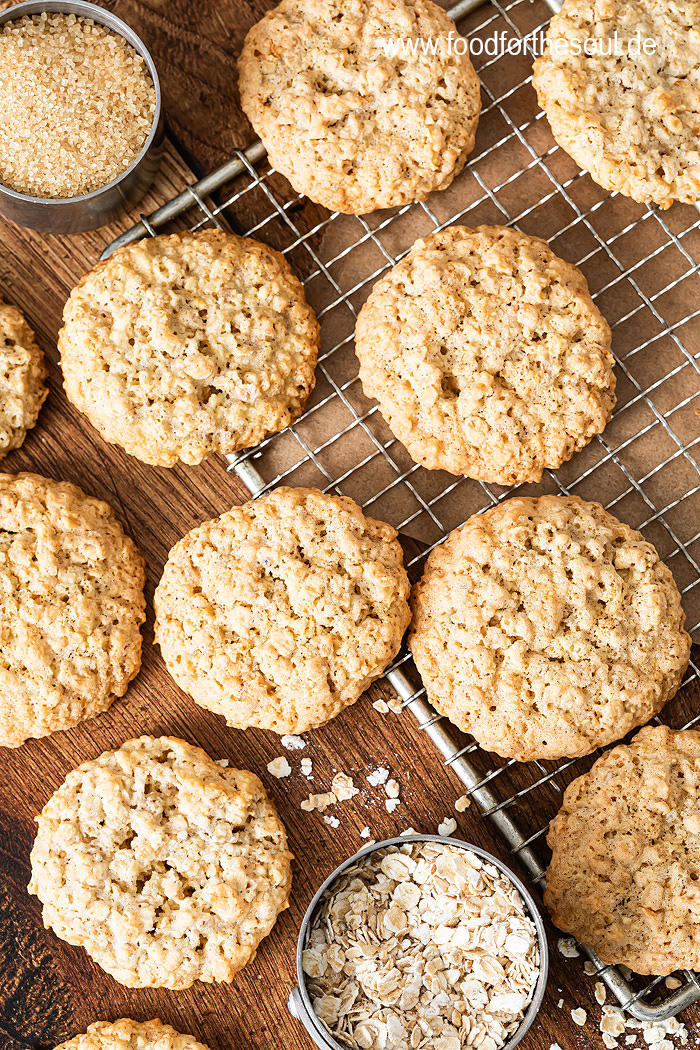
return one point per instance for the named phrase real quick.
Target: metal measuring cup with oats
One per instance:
(419, 942)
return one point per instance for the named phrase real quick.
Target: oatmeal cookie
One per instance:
(71, 607)
(177, 347)
(167, 868)
(487, 355)
(350, 124)
(546, 628)
(626, 854)
(126, 1034)
(280, 613)
(22, 378)
(631, 120)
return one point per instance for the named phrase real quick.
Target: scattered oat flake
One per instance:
(589, 968)
(306, 767)
(599, 992)
(672, 983)
(447, 827)
(655, 1034)
(381, 706)
(612, 1023)
(609, 1042)
(391, 804)
(279, 767)
(365, 833)
(567, 947)
(293, 743)
(554, 1046)
(321, 801)
(333, 821)
(343, 787)
(392, 789)
(560, 1003)
(579, 1016)
(396, 705)
(378, 776)
(408, 831)
(462, 803)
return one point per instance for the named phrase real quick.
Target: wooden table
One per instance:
(48, 990)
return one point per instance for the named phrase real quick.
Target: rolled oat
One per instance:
(422, 946)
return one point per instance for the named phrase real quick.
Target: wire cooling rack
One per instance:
(640, 263)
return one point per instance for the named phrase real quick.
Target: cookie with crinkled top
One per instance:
(631, 120)
(22, 378)
(361, 104)
(487, 355)
(180, 346)
(547, 628)
(71, 607)
(623, 877)
(126, 1034)
(281, 612)
(166, 867)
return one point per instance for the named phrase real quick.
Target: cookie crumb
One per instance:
(292, 742)
(462, 803)
(223, 762)
(392, 789)
(279, 767)
(560, 1003)
(333, 821)
(379, 776)
(306, 768)
(391, 804)
(365, 833)
(320, 801)
(567, 947)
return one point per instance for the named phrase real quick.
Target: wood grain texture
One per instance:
(48, 990)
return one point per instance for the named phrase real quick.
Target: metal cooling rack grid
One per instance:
(646, 467)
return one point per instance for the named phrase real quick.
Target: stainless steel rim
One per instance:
(84, 9)
(310, 1021)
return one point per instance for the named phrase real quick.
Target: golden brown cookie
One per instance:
(22, 378)
(353, 106)
(126, 1034)
(177, 347)
(280, 613)
(627, 115)
(71, 607)
(487, 355)
(547, 628)
(623, 878)
(166, 867)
